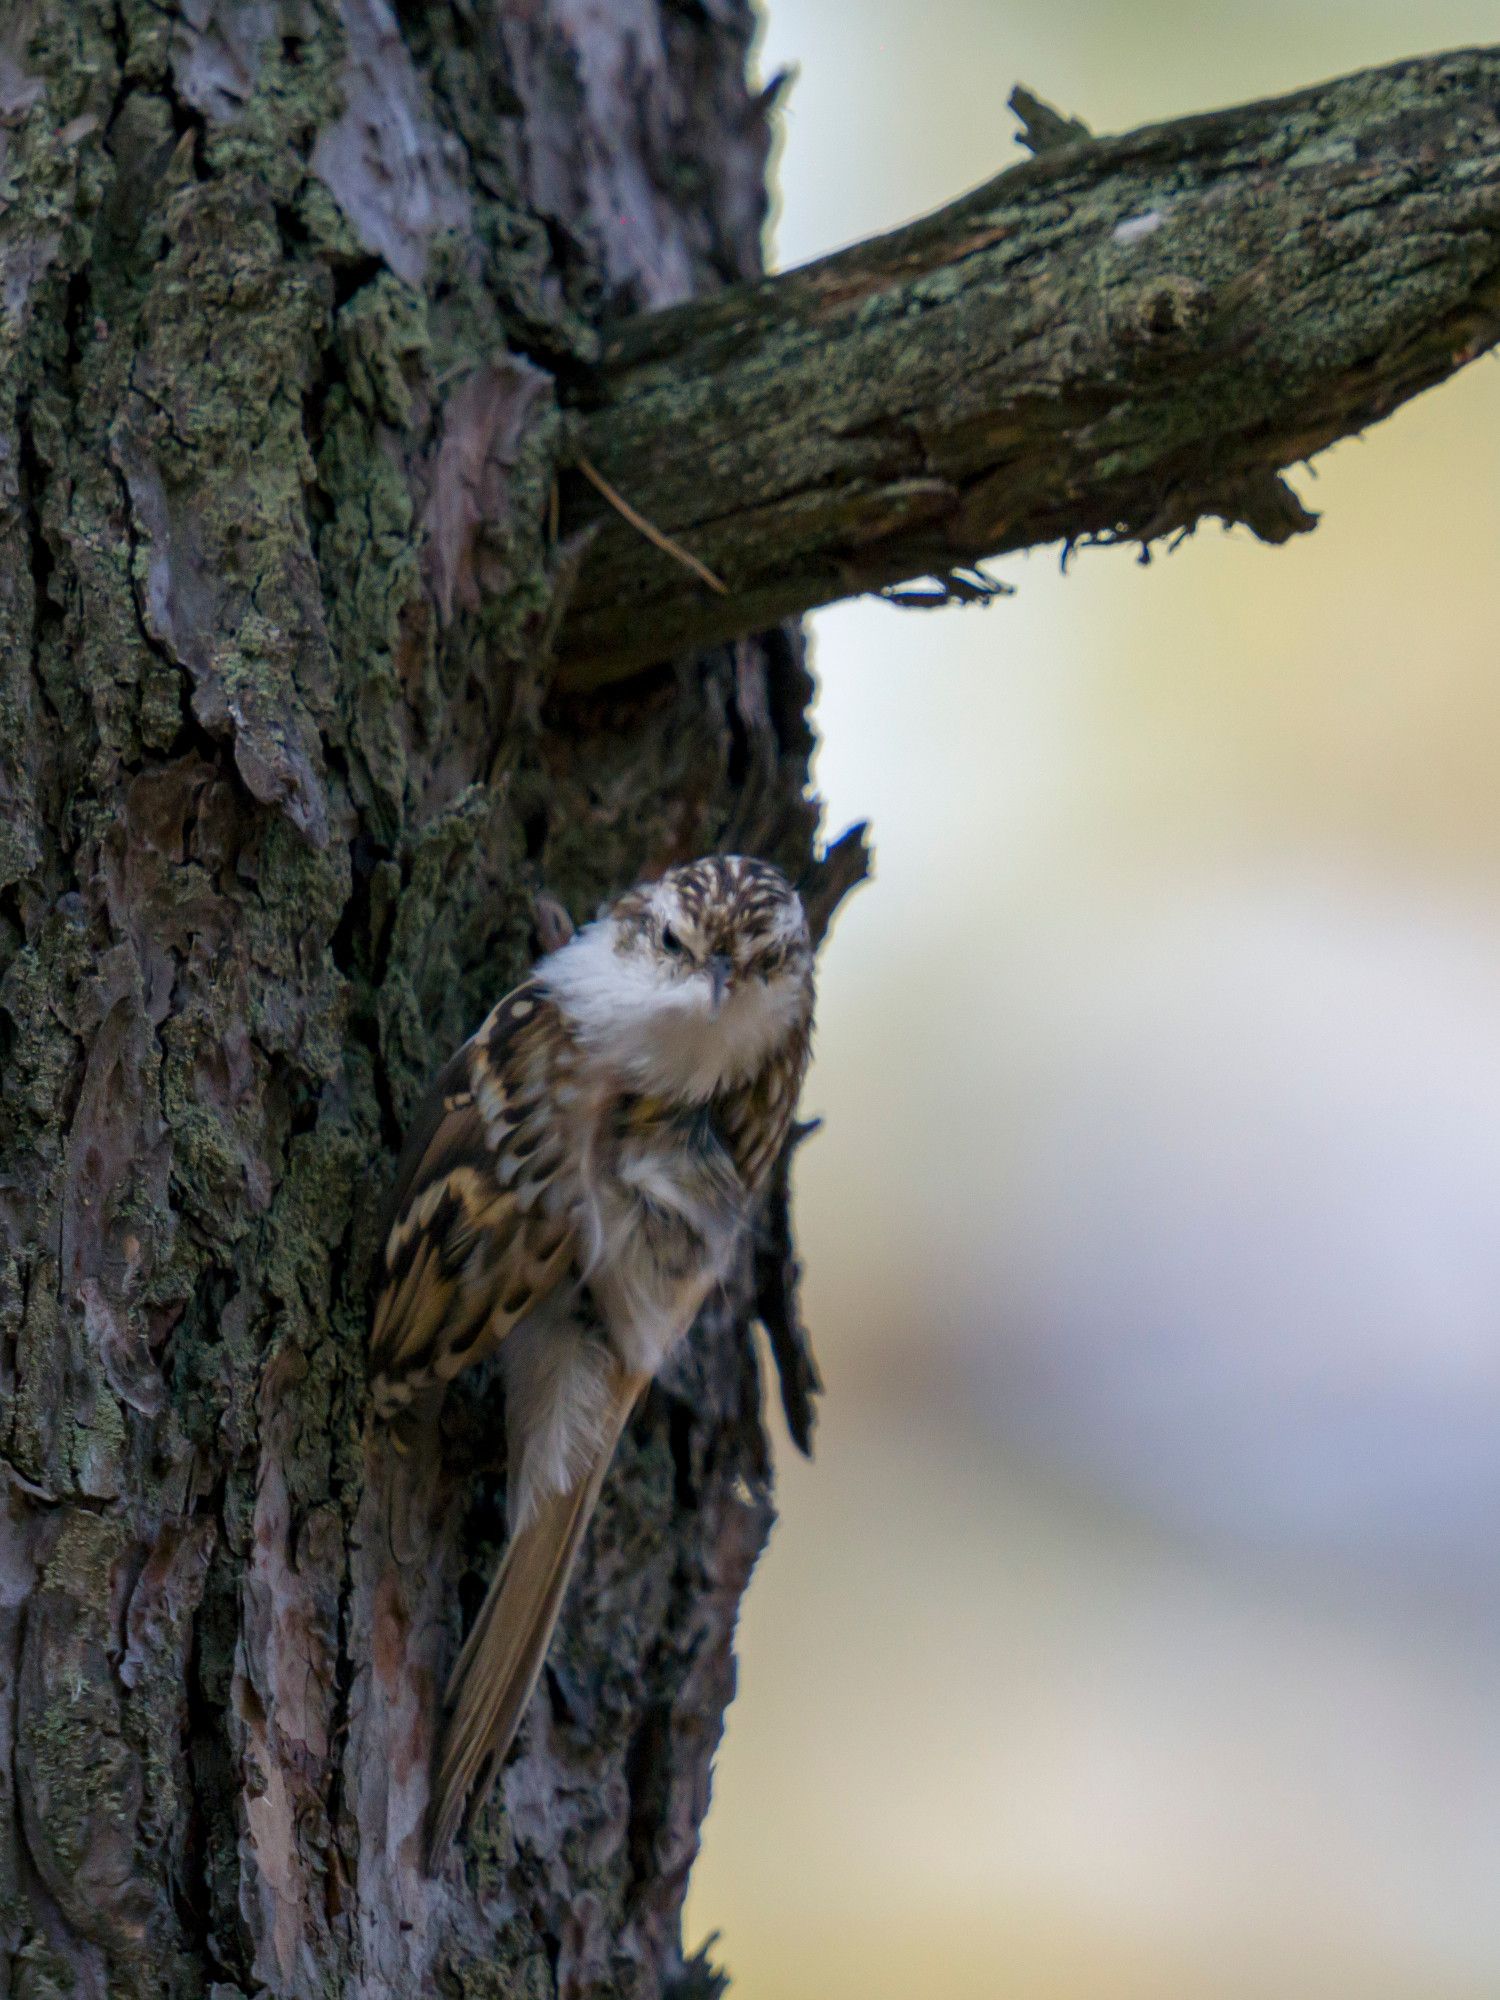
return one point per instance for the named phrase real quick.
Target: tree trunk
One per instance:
(285, 287)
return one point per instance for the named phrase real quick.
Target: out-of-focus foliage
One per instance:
(1137, 1629)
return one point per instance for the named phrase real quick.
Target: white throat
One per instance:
(659, 1030)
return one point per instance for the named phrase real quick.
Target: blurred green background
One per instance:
(1137, 1630)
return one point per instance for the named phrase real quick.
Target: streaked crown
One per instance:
(730, 907)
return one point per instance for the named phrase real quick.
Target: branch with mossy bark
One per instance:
(1112, 341)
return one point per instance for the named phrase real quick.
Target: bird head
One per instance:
(693, 982)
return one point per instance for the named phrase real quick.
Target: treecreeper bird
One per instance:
(572, 1191)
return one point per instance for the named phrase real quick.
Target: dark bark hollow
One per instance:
(285, 289)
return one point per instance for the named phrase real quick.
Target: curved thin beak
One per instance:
(719, 969)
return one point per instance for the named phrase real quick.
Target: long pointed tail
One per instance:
(502, 1658)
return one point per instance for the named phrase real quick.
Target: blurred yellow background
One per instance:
(1137, 1630)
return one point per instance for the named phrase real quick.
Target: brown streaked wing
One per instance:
(470, 1248)
(755, 1119)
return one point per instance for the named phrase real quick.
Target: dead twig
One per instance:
(653, 534)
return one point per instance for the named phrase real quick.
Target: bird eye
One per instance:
(671, 942)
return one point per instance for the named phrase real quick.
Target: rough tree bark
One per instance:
(284, 288)
(1109, 341)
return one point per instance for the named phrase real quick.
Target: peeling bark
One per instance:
(1109, 342)
(286, 288)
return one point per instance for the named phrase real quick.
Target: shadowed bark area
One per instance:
(285, 286)
(1111, 340)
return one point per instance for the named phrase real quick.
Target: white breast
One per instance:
(669, 1216)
